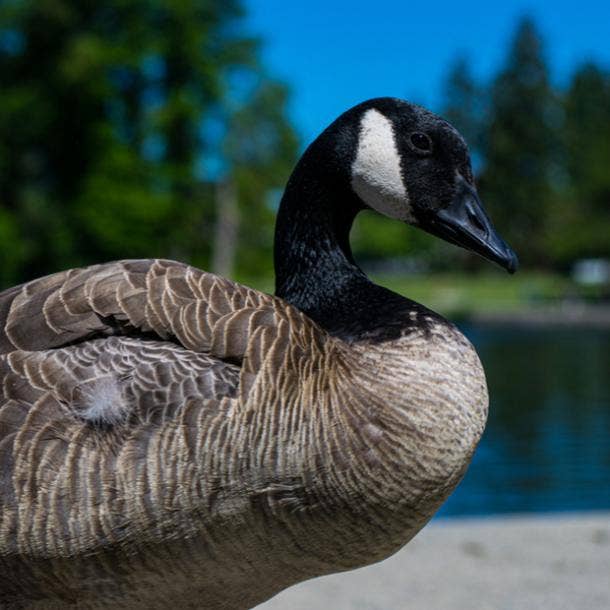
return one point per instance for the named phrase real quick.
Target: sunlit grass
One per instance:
(452, 293)
(462, 293)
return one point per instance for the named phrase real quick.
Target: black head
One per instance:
(409, 164)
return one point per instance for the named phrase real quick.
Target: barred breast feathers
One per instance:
(212, 339)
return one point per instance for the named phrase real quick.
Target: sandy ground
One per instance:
(514, 563)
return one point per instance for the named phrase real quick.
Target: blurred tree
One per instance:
(465, 106)
(520, 147)
(260, 149)
(393, 247)
(104, 129)
(581, 223)
(51, 127)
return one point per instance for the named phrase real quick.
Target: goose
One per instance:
(171, 438)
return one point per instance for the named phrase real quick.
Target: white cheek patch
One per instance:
(376, 176)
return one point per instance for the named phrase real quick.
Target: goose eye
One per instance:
(421, 142)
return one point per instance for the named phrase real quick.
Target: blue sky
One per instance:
(335, 54)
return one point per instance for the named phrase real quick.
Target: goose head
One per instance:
(411, 165)
(387, 155)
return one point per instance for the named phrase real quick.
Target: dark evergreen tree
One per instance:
(260, 150)
(104, 136)
(581, 227)
(465, 105)
(521, 146)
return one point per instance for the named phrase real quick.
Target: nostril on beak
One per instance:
(474, 218)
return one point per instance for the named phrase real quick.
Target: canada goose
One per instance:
(169, 438)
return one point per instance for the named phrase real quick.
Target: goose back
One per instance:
(162, 425)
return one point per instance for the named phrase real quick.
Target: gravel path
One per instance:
(512, 563)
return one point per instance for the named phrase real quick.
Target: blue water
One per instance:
(547, 443)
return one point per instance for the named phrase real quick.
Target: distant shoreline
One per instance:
(564, 315)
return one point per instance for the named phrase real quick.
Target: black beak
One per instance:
(465, 223)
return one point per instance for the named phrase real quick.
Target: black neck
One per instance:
(315, 270)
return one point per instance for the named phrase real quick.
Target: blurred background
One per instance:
(167, 128)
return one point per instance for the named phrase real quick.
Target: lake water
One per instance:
(547, 442)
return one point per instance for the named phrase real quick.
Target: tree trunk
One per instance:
(226, 229)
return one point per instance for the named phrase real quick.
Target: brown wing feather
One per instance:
(84, 410)
(203, 312)
(119, 376)
(86, 307)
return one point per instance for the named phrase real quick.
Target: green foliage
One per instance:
(466, 106)
(119, 119)
(581, 227)
(520, 144)
(261, 148)
(544, 152)
(104, 145)
(374, 238)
